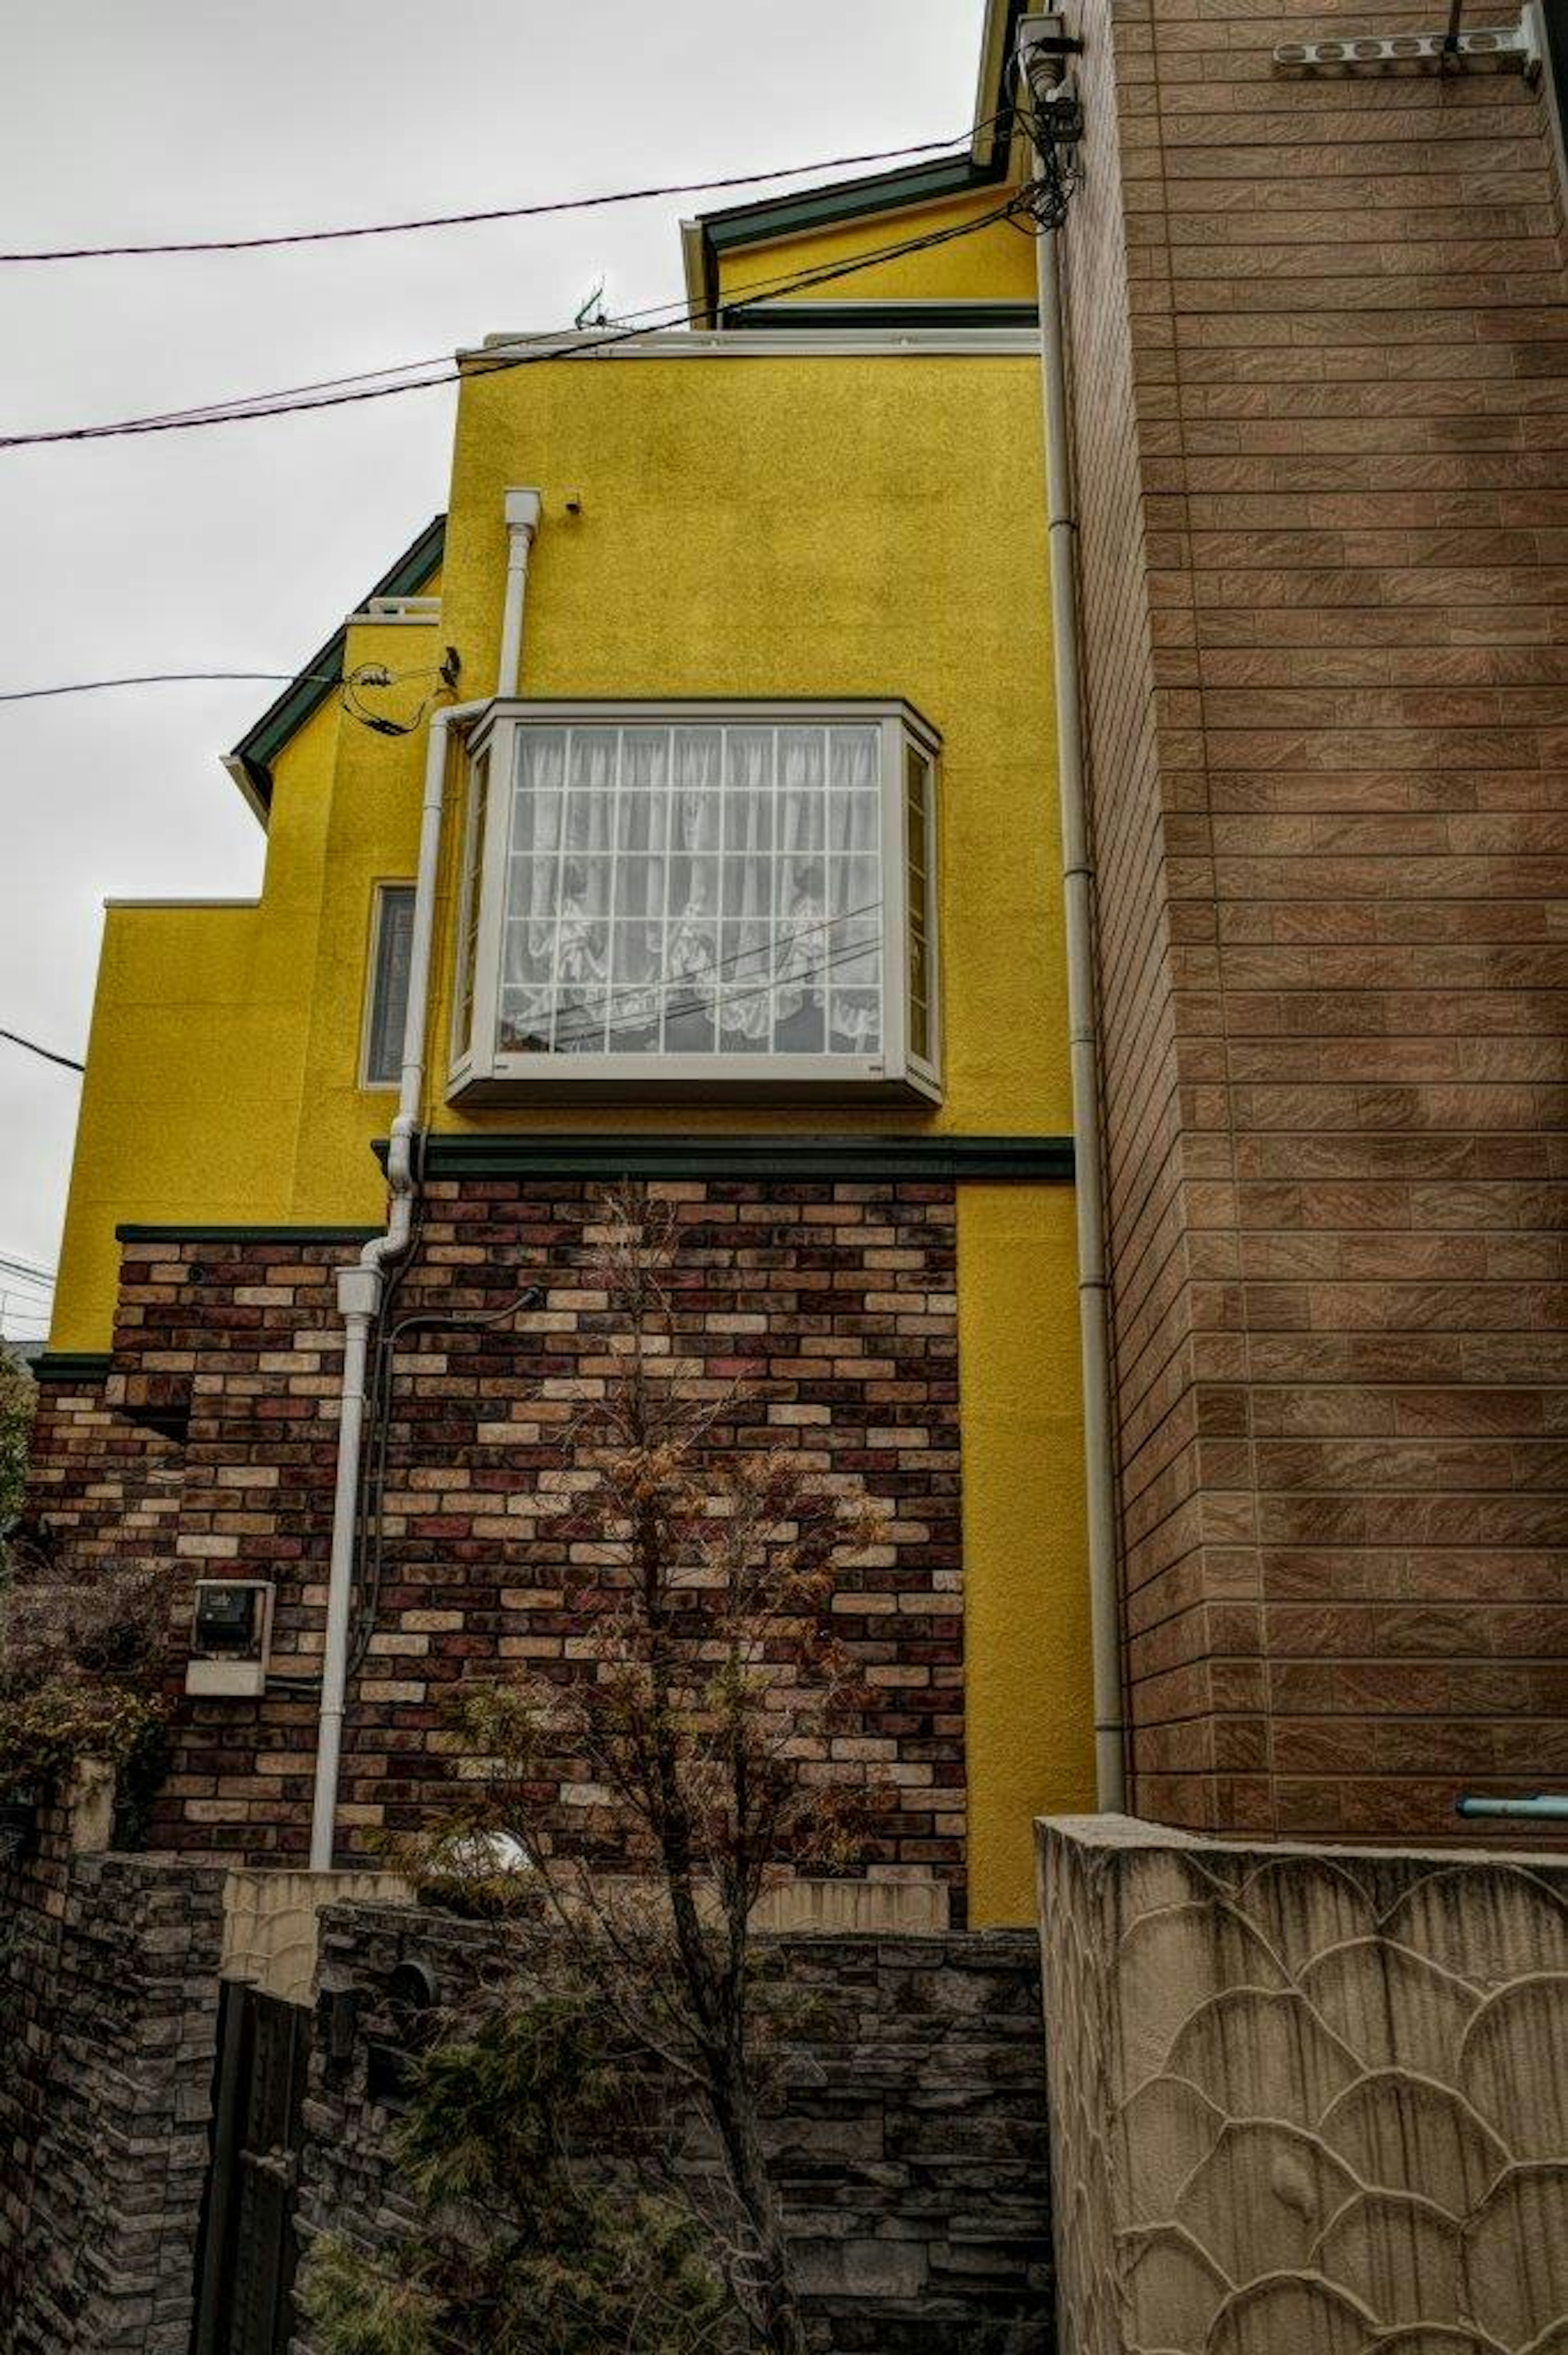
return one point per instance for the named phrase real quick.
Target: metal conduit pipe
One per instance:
(1078, 894)
(359, 1288)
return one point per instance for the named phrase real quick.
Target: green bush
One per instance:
(82, 1667)
(18, 1394)
(531, 2142)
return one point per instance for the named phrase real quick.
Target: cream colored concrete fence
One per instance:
(1305, 2102)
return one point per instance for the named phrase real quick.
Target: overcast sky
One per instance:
(243, 546)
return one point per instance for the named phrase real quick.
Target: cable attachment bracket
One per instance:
(1052, 110)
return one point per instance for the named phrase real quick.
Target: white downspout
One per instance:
(1079, 897)
(523, 512)
(359, 1288)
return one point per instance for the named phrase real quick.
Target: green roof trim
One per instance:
(845, 318)
(71, 1366)
(130, 1232)
(609, 1156)
(801, 210)
(260, 745)
(882, 192)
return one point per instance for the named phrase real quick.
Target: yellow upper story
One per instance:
(971, 257)
(807, 523)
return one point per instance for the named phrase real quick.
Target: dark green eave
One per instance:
(133, 1231)
(609, 1156)
(260, 747)
(71, 1366)
(845, 318)
(804, 209)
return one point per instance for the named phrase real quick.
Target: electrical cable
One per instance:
(243, 404)
(13, 1264)
(587, 1024)
(165, 678)
(68, 1062)
(609, 998)
(366, 675)
(501, 362)
(497, 212)
(846, 954)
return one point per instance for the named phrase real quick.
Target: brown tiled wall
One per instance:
(1322, 472)
(830, 1304)
(100, 1489)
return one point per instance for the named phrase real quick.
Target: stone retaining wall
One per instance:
(107, 2013)
(910, 2139)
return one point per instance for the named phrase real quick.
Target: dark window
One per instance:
(388, 984)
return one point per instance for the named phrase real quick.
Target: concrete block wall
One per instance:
(1321, 421)
(1304, 2100)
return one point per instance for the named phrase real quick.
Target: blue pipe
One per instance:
(1545, 1804)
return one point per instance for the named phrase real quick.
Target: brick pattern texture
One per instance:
(830, 1307)
(1321, 409)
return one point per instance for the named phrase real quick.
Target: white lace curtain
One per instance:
(702, 888)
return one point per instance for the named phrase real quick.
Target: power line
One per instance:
(350, 688)
(163, 678)
(715, 1000)
(25, 1271)
(669, 313)
(257, 406)
(635, 989)
(494, 212)
(68, 1062)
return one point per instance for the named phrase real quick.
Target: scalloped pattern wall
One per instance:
(1305, 2102)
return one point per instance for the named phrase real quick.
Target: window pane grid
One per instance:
(472, 894)
(390, 984)
(917, 829)
(702, 888)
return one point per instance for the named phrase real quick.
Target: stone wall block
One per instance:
(907, 2127)
(108, 1981)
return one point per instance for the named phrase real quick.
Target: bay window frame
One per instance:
(481, 1069)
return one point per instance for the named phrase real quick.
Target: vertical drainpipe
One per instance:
(1078, 908)
(360, 1287)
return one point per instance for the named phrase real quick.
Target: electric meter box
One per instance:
(231, 1639)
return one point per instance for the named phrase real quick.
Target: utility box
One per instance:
(231, 1639)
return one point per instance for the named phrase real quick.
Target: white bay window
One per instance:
(686, 897)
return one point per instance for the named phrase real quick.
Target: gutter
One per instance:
(360, 1287)
(1079, 910)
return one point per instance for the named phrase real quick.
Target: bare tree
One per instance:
(696, 1718)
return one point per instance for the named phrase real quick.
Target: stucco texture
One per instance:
(753, 526)
(994, 265)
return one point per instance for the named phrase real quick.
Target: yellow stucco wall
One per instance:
(754, 526)
(751, 527)
(993, 265)
(1028, 1697)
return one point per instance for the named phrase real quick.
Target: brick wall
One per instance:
(109, 2003)
(831, 1304)
(1316, 334)
(907, 2139)
(100, 1489)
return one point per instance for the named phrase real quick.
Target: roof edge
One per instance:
(768, 219)
(250, 763)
